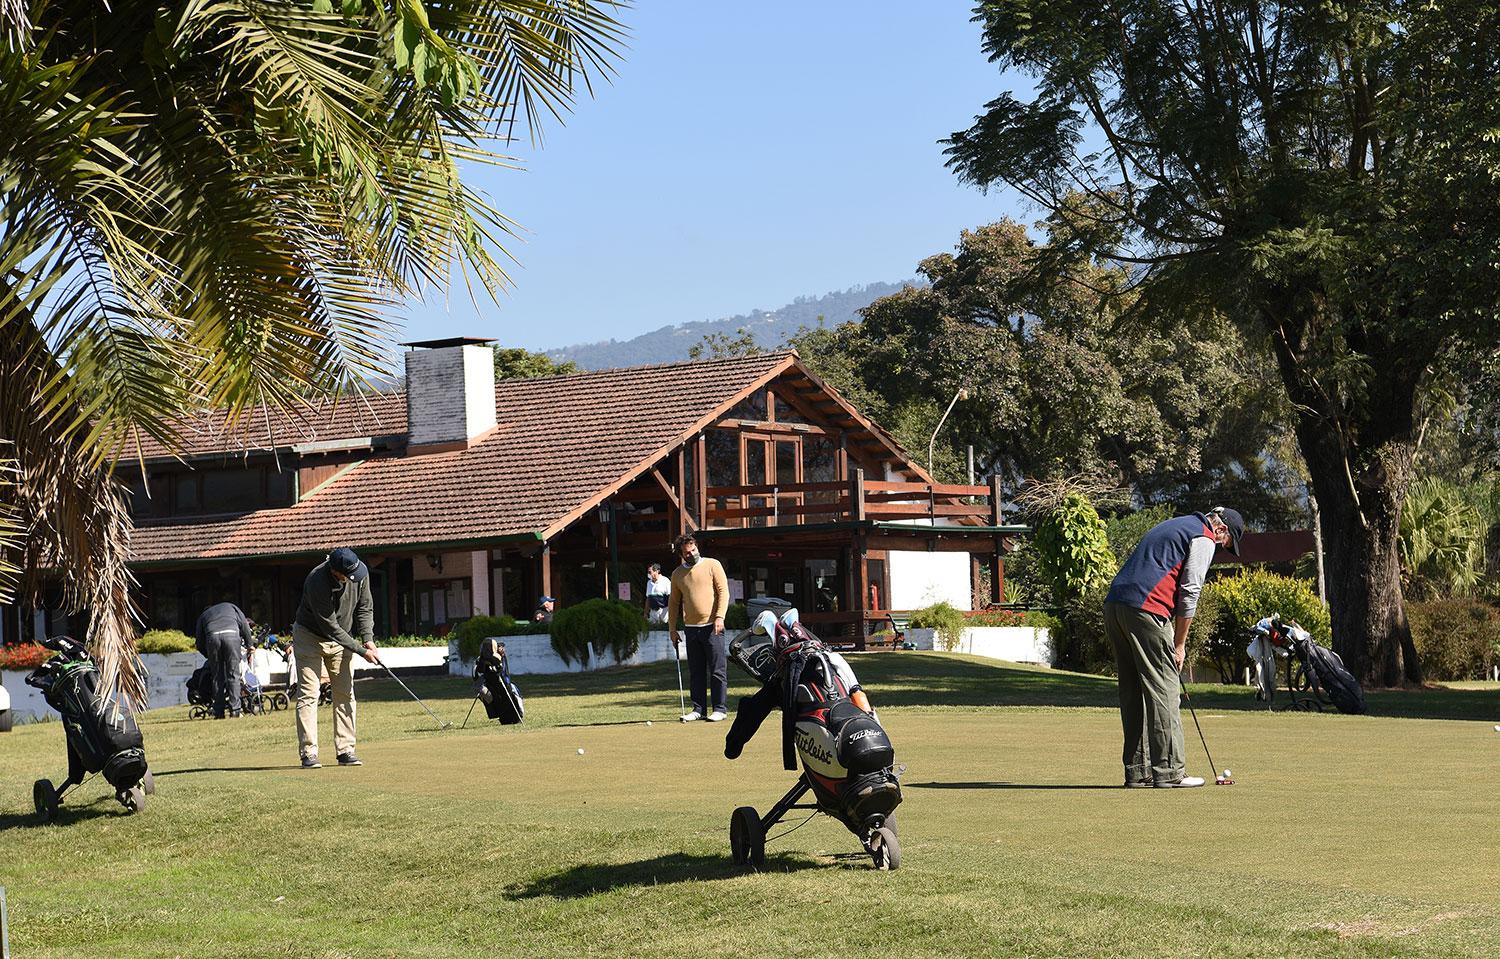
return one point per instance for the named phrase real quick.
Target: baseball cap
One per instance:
(1236, 524)
(548, 599)
(344, 560)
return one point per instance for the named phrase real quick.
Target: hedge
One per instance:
(943, 617)
(476, 629)
(598, 625)
(23, 656)
(165, 641)
(1455, 638)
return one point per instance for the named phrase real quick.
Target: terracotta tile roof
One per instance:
(367, 414)
(562, 442)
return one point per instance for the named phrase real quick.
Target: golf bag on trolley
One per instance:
(101, 735)
(1310, 668)
(846, 757)
(492, 685)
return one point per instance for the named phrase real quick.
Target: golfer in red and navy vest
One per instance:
(1146, 615)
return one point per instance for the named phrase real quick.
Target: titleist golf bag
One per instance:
(101, 734)
(847, 758)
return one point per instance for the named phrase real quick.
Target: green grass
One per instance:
(1345, 836)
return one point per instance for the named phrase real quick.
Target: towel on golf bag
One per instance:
(102, 734)
(1327, 672)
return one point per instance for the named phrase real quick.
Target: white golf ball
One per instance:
(1226, 774)
(1497, 729)
(580, 750)
(648, 722)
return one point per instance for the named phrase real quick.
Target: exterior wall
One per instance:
(921, 579)
(531, 655)
(455, 566)
(450, 394)
(1015, 644)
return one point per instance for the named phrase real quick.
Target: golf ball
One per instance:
(648, 722)
(580, 750)
(1226, 774)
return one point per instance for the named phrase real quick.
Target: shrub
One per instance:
(23, 656)
(1231, 605)
(165, 641)
(1014, 617)
(737, 617)
(1456, 638)
(476, 629)
(1081, 643)
(1072, 551)
(1125, 532)
(948, 621)
(413, 640)
(598, 624)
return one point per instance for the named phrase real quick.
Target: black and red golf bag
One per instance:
(846, 755)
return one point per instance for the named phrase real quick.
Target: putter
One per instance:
(435, 717)
(1219, 778)
(681, 697)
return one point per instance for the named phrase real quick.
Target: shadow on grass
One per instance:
(1002, 785)
(902, 679)
(67, 813)
(589, 879)
(220, 769)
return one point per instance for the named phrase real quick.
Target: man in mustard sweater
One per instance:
(700, 598)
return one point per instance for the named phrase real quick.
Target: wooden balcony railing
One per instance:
(791, 504)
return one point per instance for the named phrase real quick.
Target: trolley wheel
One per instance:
(133, 799)
(747, 839)
(279, 701)
(885, 849)
(197, 712)
(44, 797)
(148, 783)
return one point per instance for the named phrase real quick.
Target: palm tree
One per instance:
(1442, 540)
(217, 204)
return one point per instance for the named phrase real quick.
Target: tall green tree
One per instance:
(218, 204)
(1324, 173)
(516, 363)
(1062, 380)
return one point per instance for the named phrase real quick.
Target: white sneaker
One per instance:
(1186, 782)
(692, 717)
(717, 716)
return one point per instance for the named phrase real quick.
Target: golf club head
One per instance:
(1223, 781)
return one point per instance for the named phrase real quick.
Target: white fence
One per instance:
(534, 654)
(1016, 644)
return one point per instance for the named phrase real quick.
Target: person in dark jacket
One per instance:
(335, 620)
(1147, 613)
(222, 633)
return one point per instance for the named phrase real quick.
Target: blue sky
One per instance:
(743, 156)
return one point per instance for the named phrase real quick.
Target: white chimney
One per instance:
(450, 392)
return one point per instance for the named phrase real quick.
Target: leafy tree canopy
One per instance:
(515, 363)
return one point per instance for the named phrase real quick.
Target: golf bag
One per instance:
(102, 735)
(200, 687)
(502, 700)
(1327, 674)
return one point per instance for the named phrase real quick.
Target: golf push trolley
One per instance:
(101, 734)
(845, 755)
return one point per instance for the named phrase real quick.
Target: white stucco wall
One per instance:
(534, 654)
(921, 579)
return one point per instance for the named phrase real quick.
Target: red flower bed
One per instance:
(23, 656)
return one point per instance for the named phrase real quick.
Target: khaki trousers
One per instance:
(313, 654)
(1150, 693)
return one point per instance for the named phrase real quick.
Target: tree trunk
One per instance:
(1359, 454)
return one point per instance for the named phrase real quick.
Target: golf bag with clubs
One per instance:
(846, 757)
(1311, 669)
(502, 700)
(102, 736)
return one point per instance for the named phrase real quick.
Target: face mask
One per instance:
(691, 559)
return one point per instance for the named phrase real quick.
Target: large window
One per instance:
(752, 407)
(722, 450)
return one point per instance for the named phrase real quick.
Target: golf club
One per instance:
(681, 698)
(439, 721)
(1219, 778)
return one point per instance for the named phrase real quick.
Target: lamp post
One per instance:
(962, 394)
(612, 577)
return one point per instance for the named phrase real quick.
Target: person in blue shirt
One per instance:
(1146, 617)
